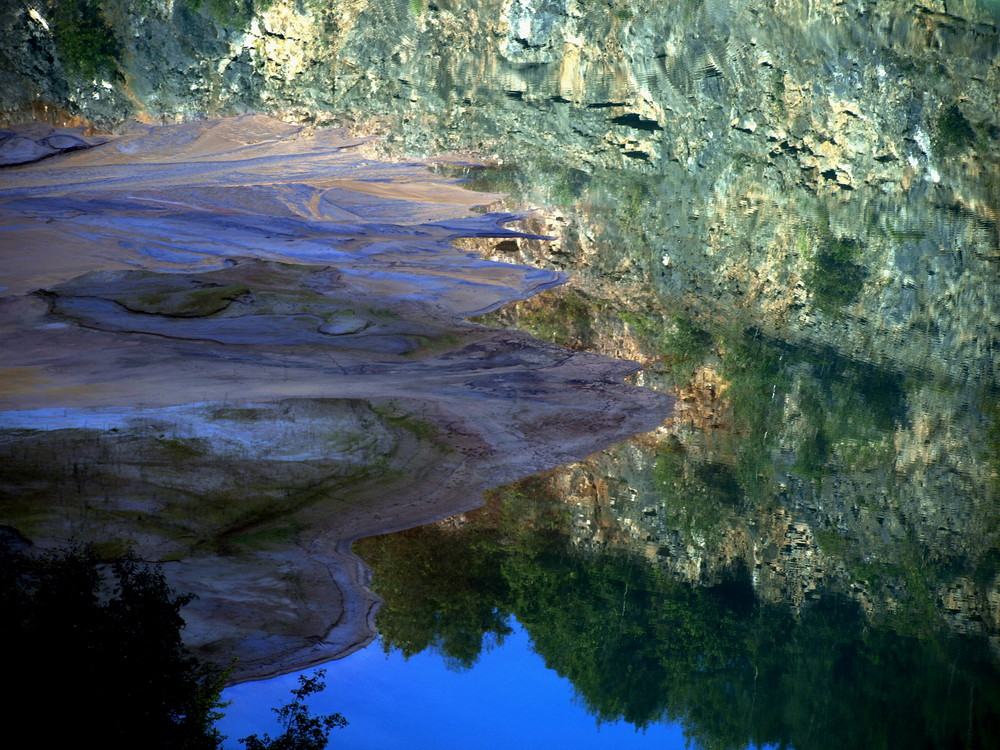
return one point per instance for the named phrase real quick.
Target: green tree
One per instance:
(443, 591)
(637, 645)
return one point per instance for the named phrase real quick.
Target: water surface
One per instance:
(785, 211)
(510, 699)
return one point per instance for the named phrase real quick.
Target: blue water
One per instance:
(509, 699)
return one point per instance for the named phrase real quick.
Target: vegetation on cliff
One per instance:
(86, 41)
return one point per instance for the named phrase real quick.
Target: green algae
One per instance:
(391, 413)
(198, 302)
(268, 537)
(244, 415)
(182, 449)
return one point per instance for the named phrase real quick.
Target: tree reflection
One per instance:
(638, 646)
(96, 652)
(458, 619)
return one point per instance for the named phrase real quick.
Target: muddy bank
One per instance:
(238, 346)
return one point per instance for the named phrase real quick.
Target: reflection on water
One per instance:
(790, 221)
(510, 699)
(785, 211)
(640, 646)
(248, 349)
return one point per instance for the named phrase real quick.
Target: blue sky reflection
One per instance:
(508, 699)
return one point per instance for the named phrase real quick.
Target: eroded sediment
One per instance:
(237, 346)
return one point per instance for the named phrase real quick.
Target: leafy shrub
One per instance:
(836, 278)
(954, 131)
(110, 631)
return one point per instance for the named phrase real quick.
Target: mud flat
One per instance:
(237, 346)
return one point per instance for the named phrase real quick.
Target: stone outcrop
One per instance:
(828, 171)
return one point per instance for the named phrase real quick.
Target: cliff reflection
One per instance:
(641, 646)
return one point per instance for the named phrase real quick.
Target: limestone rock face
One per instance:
(807, 165)
(820, 178)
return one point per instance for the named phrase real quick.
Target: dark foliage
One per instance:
(96, 654)
(302, 730)
(84, 39)
(836, 278)
(228, 13)
(954, 131)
